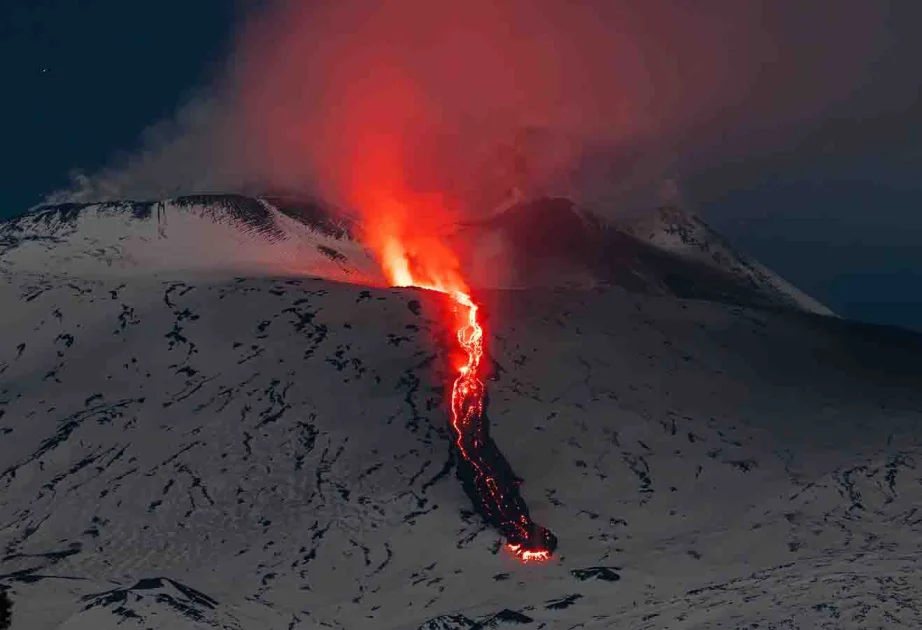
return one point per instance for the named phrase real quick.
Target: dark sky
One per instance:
(82, 79)
(835, 205)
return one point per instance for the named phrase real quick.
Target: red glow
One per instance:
(365, 153)
(402, 228)
(529, 556)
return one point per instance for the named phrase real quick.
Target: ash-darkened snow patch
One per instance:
(332, 254)
(316, 215)
(606, 574)
(236, 210)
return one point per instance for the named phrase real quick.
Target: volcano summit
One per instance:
(217, 412)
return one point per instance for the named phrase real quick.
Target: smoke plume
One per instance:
(611, 101)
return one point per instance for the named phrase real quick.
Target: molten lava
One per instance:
(411, 255)
(525, 540)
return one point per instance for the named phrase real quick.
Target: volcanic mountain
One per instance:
(215, 414)
(541, 242)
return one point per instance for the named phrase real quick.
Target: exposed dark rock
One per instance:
(606, 574)
(6, 610)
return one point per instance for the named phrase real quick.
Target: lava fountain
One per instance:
(412, 254)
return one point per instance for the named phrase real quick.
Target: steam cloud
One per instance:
(607, 100)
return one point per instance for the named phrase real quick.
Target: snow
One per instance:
(223, 234)
(270, 450)
(676, 230)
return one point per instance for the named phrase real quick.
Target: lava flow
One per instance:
(499, 502)
(411, 256)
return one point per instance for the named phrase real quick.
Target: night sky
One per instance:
(83, 78)
(836, 209)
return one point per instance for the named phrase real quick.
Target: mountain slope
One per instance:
(672, 229)
(549, 241)
(196, 234)
(280, 448)
(539, 242)
(208, 421)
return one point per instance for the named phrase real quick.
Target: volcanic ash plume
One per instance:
(456, 92)
(612, 96)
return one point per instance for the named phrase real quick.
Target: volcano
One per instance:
(215, 412)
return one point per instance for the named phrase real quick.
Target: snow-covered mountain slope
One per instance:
(687, 235)
(273, 453)
(196, 234)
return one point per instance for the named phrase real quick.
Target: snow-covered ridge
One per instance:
(675, 230)
(538, 242)
(202, 233)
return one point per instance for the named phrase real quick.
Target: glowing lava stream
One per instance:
(486, 476)
(467, 398)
